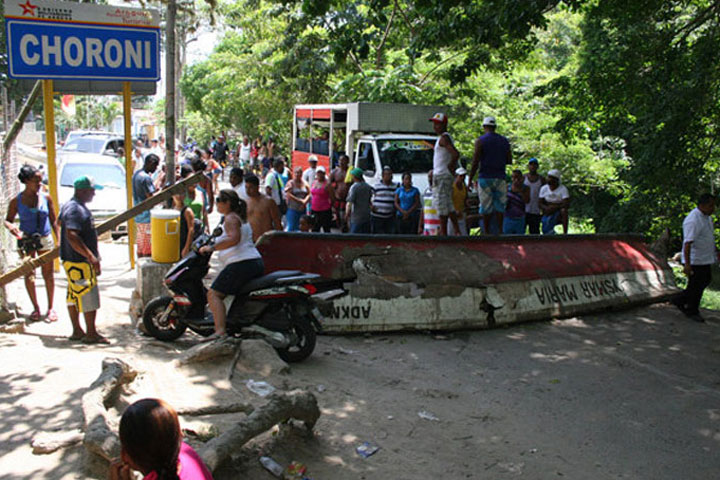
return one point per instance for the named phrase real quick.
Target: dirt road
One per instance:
(626, 395)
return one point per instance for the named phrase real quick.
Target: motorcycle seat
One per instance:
(267, 280)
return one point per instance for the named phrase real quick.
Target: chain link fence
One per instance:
(9, 188)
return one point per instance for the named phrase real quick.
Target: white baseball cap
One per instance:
(490, 121)
(312, 158)
(460, 171)
(320, 169)
(555, 173)
(439, 117)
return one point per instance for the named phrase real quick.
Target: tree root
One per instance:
(223, 347)
(297, 404)
(99, 438)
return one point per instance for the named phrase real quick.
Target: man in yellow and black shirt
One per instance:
(81, 260)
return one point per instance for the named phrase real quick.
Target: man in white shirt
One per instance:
(244, 152)
(309, 174)
(237, 182)
(445, 161)
(554, 203)
(155, 148)
(698, 255)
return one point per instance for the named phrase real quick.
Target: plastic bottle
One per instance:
(272, 466)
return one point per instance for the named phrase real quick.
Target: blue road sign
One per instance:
(58, 40)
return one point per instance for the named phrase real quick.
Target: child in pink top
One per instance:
(152, 444)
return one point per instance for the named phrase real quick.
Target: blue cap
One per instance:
(533, 160)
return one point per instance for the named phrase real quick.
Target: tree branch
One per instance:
(17, 124)
(699, 20)
(350, 53)
(378, 57)
(438, 65)
(407, 21)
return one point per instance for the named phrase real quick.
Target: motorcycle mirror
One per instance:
(217, 232)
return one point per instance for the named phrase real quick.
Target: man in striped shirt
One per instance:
(383, 204)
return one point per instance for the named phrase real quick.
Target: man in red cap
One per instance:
(445, 160)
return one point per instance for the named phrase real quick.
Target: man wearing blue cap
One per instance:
(534, 182)
(81, 260)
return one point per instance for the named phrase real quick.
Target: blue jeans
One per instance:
(293, 220)
(549, 222)
(514, 226)
(363, 227)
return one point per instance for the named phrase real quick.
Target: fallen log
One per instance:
(297, 404)
(216, 409)
(222, 347)
(99, 437)
(49, 442)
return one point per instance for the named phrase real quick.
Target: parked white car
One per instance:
(101, 144)
(105, 171)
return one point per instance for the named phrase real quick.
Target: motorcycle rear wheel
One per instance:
(168, 330)
(303, 330)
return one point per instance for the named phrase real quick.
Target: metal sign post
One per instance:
(49, 114)
(127, 107)
(51, 40)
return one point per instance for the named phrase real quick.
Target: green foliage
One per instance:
(91, 113)
(622, 97)
(648, 74)
(711, 296)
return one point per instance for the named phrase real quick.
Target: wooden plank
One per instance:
(106, 226)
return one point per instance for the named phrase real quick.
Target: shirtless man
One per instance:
(262, 211)
(337, 178)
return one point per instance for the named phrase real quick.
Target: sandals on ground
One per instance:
(95, 340)
(35, 316)
(51, 316)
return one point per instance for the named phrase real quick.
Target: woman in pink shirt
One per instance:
(151, 443)
(322, 197)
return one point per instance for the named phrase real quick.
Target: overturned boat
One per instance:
(403, 282)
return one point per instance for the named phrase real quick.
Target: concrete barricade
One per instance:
(404, 282)
(149, 284)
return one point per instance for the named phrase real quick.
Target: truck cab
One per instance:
(401, 152)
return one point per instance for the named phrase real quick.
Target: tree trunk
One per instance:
(100, 437)
(181, 99)
(170, 90)
(18, 123)
(297, 404)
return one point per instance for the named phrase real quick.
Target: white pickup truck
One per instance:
(377, 134)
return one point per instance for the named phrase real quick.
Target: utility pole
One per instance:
(170, 90)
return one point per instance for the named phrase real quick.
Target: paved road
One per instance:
(632, 394)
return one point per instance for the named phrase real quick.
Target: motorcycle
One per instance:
(280, 307)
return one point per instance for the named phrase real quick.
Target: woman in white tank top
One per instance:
(239, 259)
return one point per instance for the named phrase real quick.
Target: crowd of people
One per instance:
(266, 195)
(281, 197)
(341, 200)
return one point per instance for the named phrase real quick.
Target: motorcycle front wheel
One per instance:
(167, 329)
(303, 338)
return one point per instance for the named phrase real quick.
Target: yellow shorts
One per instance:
(82, 286)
